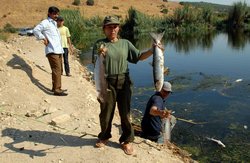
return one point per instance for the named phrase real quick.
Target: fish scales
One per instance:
(100, 77)
(158, 61)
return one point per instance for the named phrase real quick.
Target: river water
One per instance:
(210, 76)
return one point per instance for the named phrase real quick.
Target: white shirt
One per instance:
(48, 29)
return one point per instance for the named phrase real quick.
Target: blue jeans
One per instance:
(66, 60)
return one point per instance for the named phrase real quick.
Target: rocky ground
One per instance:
(37, 126)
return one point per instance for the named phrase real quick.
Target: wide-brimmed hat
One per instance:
(111, 20)
(167, 87)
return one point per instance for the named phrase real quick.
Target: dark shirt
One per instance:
(151, 125)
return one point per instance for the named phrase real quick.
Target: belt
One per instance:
(115, 76)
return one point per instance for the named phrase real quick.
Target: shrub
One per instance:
(77, 2)
(164, 11)
(90, 2)
(9, 28)
(3, 36)
(115, 7)
(237, 15)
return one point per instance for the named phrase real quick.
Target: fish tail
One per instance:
(157, 36)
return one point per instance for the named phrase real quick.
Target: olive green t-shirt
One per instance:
(118, 55)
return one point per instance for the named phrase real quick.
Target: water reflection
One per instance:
(238, 39)
(187, 42)
(182, 42)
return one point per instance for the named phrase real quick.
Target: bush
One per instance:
(3, 36)
(90, 2)
(9, 28)
(115, 7)
(237, 15)
(164, 11)
(77, 2)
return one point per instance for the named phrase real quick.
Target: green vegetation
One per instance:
(77, 2)
(189, 20)
(3, 36)
(5, 32)
(90, 2)
(138, 22)
(115, 7)
(238, 15)
(83, 31)
(184, 20)
(164, 11)
(9, 28)
(215, 7)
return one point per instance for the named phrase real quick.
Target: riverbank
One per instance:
(39, 127)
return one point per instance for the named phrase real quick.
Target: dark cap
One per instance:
(59, 18)
(110, 20)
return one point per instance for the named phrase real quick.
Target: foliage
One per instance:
(164, 11)
(81, 29)
(237, 15)
(207, 15)
(215, 7)
(3, 36)
(115, 7)
(137, 22)
(77, 2)
(90, 2)
(189, 19)
(9, 28)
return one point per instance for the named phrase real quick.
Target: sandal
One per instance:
(101, 143)
(127, 148)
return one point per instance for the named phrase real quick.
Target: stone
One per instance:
(60, 119)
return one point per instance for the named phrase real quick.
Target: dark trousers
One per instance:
(66, 60)
(55, 61)
(119, 91)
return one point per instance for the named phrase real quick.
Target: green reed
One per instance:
(83, 31)
(238, 15)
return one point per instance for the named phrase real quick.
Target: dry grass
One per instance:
(21, 13)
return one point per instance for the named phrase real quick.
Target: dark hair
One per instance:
(53, 9)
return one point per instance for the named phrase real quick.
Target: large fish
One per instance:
(166, 129)
(158, 61)
(99, 74)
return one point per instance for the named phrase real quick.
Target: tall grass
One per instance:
(188, 19)
(83, 31)
(184, 20)
(237, 15)
(137, 22)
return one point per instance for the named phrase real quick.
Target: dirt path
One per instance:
(27, 107)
